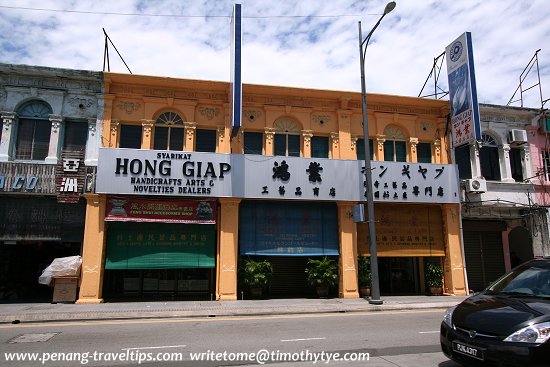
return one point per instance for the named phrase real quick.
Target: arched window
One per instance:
(169, 132)
(287, 138)
(395, 146)
(488, 158)
(33, 131)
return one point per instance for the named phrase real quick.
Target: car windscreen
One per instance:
(528, 279)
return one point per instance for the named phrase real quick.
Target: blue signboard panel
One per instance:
(288, 229)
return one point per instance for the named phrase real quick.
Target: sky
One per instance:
(303, 43)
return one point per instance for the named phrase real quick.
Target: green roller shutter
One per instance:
(160, 246)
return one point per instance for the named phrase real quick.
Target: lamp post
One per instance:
(375, 286)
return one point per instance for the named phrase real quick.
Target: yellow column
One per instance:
(348, 286)
(378, 148)
(223, 144)
(306, 143)
(347, 143)
(147, 136)
(413, 154)
(115, 130)
(189, 143)
(334, 142)
(269, 137)
(93, 250)
(226, 284)
(454, 269)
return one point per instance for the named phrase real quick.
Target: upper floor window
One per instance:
(516, 165)
(395, 147)
(360, 149)
(76, 134)
(546, 163)
(319, 147)
(33, 131)
(424, 152)
(462, 159)
(169, 132)
(287, 138)
(488, 158)
(253, 142)
(130, 136)
(205, 141)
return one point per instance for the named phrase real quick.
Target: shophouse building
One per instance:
(504, 219)
(48, 155)
(181, 198)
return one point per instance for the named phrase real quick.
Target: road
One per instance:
(399, 338)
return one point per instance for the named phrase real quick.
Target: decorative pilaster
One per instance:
(269, 136)
(505, 166)
(413, 142)
(221, 145)
(92, 144)
(335, 145)
(115, 130)
(54, 148)
(8, 121)
(147, 136)
(348, 285)
(189, 143)
(226, 282)
(437, 150)
(526, 158)
(306, 143)
(378, 154)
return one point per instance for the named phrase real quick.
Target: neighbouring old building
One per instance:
(504, 193)
(180, 200)
(48, 154)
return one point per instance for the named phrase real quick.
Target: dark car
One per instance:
(508, 324)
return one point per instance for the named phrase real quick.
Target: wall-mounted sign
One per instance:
(27, 178)
(462, 91)
(175, 211)
(197, 174)
(70, 175)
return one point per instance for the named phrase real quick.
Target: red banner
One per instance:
(142, 210)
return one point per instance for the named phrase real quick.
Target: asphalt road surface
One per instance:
(375, 339)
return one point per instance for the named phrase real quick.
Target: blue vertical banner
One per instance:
(462, 91)
(235, 97)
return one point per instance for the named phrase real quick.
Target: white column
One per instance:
(526, 159)
(54, 147)
(474, 161)
(505, 166)
(8, 132)
(92, 144)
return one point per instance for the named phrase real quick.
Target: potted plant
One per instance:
(364, 275)
(322, 274)
(434, 278)
(256, 275)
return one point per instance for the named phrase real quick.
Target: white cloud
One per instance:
(287, 42)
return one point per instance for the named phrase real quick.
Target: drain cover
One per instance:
(32, 338)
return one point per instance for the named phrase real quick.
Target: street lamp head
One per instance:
(389, 7)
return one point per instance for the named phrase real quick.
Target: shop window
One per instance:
(488, 157)
(130, 136)
(319, 147)
(205, 141)
(169, 132)
(76, 135)
(424, 152)
(253, 143)
(515, 164)
(395, 147)
(462, 159)
(33, 131)
(546, 162)
(360, 149)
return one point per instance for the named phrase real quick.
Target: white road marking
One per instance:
(428, 332)
(160, 347)
(299, 340)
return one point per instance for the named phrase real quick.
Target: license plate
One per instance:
(468, 350)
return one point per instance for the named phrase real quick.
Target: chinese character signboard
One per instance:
(70, 175)
(142, 210)
(462, 91)
(213, 175)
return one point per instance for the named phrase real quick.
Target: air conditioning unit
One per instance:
(517, 136)
(476, 185)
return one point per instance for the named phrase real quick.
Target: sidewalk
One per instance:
(35, 312)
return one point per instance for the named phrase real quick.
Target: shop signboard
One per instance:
(214, 175)
(124, 209)
(70, 174)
